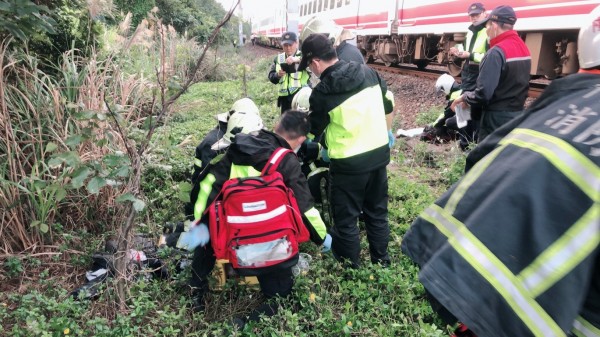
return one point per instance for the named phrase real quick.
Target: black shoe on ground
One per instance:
(238, 323)
(198, 301)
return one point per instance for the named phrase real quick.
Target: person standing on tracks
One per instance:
(503, 80)
(475, 47)
(285, 73)
(530, 247)
(352, 106)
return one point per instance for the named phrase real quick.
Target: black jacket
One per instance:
(345, 82)
(512, 248)
(503, 79)
(254, 150)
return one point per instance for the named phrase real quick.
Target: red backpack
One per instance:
(255, 222)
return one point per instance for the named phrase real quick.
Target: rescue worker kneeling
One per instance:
(246, 157)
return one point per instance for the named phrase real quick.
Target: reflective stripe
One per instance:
(494, 271)
(257, 217)
(455, 95)
(198, 162)
(317, 171)
(390, 96)
(564, 254)
(298, 79)
(242, 171)
(314, 217)
(574, 165)
(205, 189)
(469, 179)
(583, 328)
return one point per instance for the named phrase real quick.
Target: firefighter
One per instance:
(503, 79)
(284, 71)
(246, 156)
(513, 249)
(353, 104)
(210, 146)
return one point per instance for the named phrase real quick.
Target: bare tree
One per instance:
(125, 229)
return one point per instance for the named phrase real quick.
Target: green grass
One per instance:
(328, 301)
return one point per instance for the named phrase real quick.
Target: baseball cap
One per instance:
(315, 45)
(476, 8)
(244, 104)
(503, 14)
(288, 38)
(239, 122)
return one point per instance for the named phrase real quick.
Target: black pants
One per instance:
(467, 134)
(285, 102)
(492, 120)
(349, 195)
(274, 284)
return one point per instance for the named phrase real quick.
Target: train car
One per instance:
(422, 31)
(270, 29)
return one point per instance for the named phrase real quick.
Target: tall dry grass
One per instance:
(41, 120)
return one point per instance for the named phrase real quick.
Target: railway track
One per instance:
(535, 88)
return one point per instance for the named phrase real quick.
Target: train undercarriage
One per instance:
(553, 54)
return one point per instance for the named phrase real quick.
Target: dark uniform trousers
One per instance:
(285, 102)
(349, 195)
(492, 120)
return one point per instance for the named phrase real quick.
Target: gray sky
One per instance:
(253, 9)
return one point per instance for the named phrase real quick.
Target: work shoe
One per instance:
(462, 331)
(238, 323)
(198, 300)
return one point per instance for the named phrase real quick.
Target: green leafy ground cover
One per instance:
(327, 301)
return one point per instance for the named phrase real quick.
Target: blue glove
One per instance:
(324, 155)
(391, 139)
(196, 236)
(326, 244)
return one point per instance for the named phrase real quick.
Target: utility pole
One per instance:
(241, 27)
(293, 16)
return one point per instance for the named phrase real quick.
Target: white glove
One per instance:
(196, 236)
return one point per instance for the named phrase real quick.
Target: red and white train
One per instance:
(422, 31)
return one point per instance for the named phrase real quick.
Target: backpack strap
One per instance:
(274, 160)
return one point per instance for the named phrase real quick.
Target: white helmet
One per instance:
(589, 41)
(444, 83)
(300, 101)
(244, 104)
(317, 25)
(239, 122)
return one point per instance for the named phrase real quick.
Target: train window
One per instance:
(331, 4)
(303, 9)
(348, 2)
(339, 3)
(320, 8)
(314, 7)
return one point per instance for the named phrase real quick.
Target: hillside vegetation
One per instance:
(68, 131)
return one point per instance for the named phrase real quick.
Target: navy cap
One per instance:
(315, 45)
(289, 38)
(476, 8)
(502, 14)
